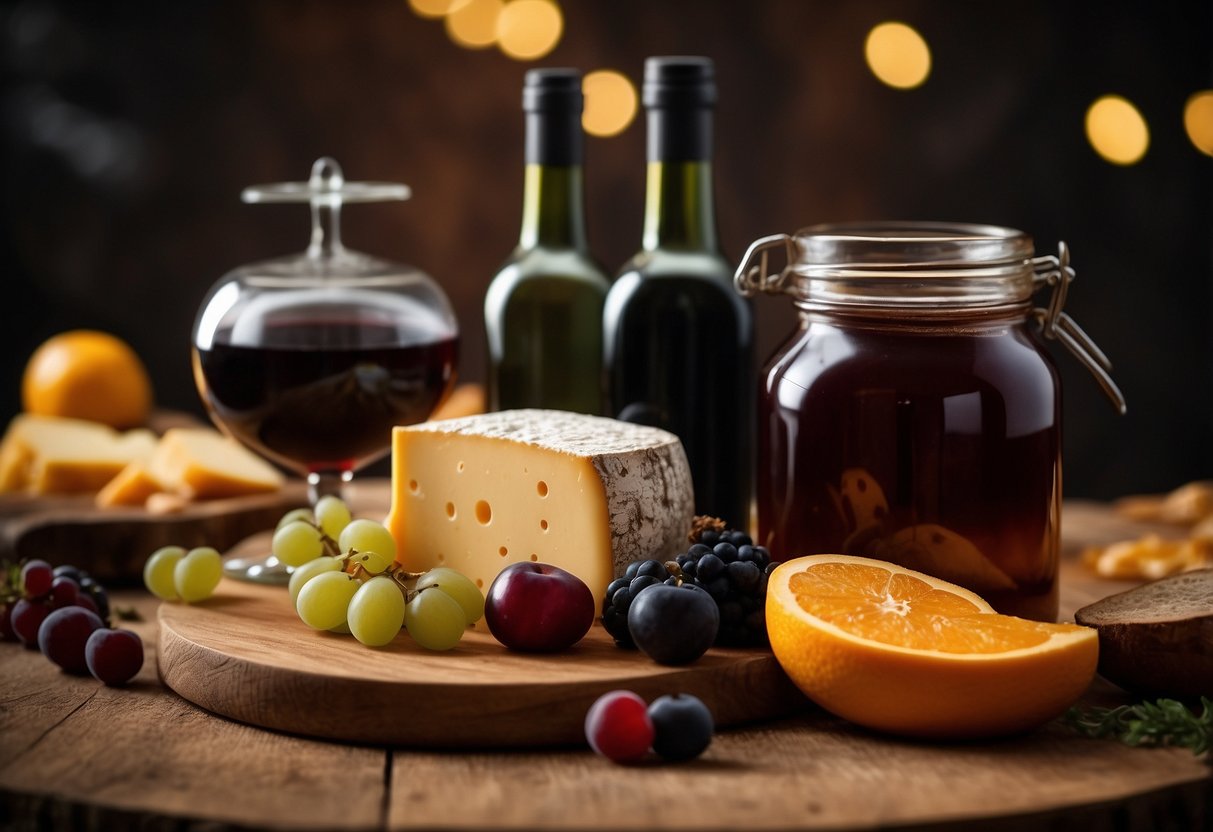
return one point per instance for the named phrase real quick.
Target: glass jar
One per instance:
(915, 416)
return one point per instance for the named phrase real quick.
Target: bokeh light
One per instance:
(473, 24)
(529, 29)
(898, 55)
(1117, 130)
(610, 102)
(435, 8)
(1198, 120)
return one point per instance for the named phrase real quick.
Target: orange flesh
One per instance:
(903, 611)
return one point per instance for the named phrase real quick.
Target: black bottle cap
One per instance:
(552, 101)
(679, 81)
(552, 90)
(679, 94)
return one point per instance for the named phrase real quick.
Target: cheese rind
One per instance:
(584, 493)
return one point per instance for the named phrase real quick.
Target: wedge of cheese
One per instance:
(204, 464)
(48, 455)
(131, 487)
(584, 493)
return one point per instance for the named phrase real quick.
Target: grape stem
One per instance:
(675, 571)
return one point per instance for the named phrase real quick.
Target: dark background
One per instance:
(128, 130)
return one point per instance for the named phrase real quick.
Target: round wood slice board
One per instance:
(245, 654)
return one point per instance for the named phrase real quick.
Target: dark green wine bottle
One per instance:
(543, 310)
(678, 337)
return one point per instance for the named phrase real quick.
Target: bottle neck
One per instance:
(553, 212)
(679, 212)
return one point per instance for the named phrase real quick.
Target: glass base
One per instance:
(262, 570)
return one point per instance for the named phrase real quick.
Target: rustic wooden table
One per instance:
(75, 754)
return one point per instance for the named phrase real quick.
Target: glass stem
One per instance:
(328, 483)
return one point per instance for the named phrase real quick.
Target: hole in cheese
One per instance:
(542, 488)
(441, 558)
(503, 551)
(450, 510)
(413, 486)
(534, 556)
(459, 467)
(480, 583)
(543, 524)
(484, 513)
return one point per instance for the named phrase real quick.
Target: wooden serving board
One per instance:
(246, 655)
(112, 544)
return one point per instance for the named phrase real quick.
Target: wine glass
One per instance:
(310, 360)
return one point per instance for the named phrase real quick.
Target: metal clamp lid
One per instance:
(755, 274)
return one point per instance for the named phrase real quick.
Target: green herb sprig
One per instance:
(1164, 722)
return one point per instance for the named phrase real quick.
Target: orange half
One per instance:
(899, 651)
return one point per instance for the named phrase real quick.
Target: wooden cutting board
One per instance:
(112, 544)
(246, 655)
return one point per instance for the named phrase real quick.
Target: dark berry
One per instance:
(64, 592)
(719, 588)
(698, 550)
(113, 656)
(673, 625)
(633, 570)
(709, 567)
(739, 539)
(27, 618)
(709, 537)
(641, 582)
(743, 574)
(670, 581)
(745, 552)
(682, 726)
(727, 552)
(69, 571)
(690, 568)
(616, 585)
(731, 613)
(654, 568)
(621, 599)
(63, 635)
(36, 578)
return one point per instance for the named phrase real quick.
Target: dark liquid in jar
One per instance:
(310, 403)
(938, 449)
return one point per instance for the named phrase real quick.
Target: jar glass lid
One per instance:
(910, 245)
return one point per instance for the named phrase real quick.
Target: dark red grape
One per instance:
(64, 592)
(88, 603)
(27, 618)
(618, 726)
(63, 635)
(673, 624)
(682, 726)
(114, 656)
(36, 578)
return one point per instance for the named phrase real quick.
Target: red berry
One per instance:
(36, 578)
(64, 592)
(27, 618)
(88, 603)
(618, 726)
(114, 656)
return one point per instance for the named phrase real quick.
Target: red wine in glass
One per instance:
(324, 394)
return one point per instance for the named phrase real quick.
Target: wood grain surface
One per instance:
(76, 755)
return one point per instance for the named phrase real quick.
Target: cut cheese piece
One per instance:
(584, 493)
(131, 487)
(205, 464)
(49, 455)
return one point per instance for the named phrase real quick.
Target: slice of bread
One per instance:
(1157, 639)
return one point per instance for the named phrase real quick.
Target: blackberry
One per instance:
(723, 562)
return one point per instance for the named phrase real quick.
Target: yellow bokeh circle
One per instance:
(473, 24)
(1198, 120)
(529, 29)
(898, 55)
(610, 102)
(1117, 131)
(435, 8)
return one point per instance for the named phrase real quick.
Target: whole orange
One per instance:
(91, 375)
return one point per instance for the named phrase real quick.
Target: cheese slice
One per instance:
(204, 464)
(131, 487)
(49, 455)
(583, 493)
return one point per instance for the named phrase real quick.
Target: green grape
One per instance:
(459, 587)
(158, 572)
(372, 562)
(304, 514)
(296, 543)
(333, 515)
(435, 620)
(323, 601)
(197, 574)
(368, 536)
(300, 575)
(377, 612)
